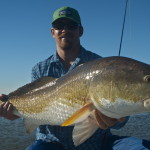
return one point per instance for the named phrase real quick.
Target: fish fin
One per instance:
(30, 125)
(85, 125)
(80, 115)
(83, 130)
(31, 86)
(147, 103)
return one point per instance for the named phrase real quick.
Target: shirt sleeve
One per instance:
(34, 74)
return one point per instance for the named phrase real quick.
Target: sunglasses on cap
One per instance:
(68, 26)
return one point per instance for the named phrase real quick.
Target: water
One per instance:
(138, 126)
(14, 137)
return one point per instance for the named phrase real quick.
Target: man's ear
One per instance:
(52, 32)
(81, 31)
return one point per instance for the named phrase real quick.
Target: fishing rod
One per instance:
(123, 27)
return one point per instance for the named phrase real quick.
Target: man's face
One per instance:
(66, 33)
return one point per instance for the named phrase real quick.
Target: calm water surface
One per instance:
(14, 137)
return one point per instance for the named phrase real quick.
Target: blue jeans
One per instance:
(43, 145)
(109, 143)
(125, 143)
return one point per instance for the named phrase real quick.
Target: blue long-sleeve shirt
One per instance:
(54, 68)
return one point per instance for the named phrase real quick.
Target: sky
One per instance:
(25, 37)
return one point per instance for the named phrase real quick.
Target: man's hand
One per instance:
(105, 122)
(6, 109)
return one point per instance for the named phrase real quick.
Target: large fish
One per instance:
(116, 86)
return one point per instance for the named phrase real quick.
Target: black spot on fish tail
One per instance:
(4, 98)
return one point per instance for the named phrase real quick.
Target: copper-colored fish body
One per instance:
(116, 86)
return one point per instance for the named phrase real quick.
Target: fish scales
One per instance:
(72, 88)
(69, 91)
(116, 86)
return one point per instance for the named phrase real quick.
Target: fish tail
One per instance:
(4, 98)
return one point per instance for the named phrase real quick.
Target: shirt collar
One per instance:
(81, 56)
(55, 58)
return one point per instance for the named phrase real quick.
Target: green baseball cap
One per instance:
(66, 12)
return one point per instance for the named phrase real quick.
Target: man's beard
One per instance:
(67, 45)
(67, 41)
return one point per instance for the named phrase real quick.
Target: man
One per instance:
(67, 30)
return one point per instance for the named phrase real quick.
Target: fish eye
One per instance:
(147, 79)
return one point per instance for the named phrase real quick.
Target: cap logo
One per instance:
(65, 12)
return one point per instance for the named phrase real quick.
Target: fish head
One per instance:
(122, 87)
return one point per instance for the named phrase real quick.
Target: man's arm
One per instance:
(105, 122)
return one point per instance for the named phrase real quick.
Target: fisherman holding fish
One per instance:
(67, 30)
